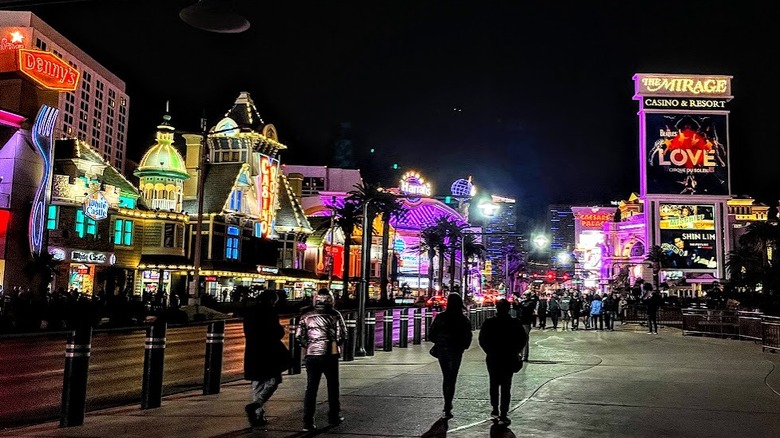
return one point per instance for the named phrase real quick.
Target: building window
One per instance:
(51, 217)
(85, 225)
(169, 236)
(231, 243)
(235, 200)
(313, 185)
(123, 232)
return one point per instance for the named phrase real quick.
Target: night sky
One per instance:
(532, 99)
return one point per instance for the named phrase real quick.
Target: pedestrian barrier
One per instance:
(74, 385)
(417, 336)
(212, 367)
(154, 358)
(770, 333)
(295, 347)
(403, 334)
(348, 349)
(387, 339)
(473, 317)
(749, 325)
(428, 320)
(370, 331)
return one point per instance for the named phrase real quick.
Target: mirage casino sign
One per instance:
(684, 145)
(267, 182)
(47, 70)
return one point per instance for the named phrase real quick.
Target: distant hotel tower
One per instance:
(500, 235)
(95, 113)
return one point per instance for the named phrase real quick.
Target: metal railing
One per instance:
(770, 333)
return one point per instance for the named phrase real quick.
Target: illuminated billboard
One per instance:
(686, 154)
(47, 70)
(267, 185)
(688, 237)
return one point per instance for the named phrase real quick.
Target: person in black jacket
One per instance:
(652, 301)
(525, 313)
(502, 338)
(265, 356)
(451, 334)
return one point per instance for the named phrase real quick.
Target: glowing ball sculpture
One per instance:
(462, 188)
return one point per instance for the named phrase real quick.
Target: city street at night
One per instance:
(624, 383)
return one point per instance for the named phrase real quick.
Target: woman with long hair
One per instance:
(451, 334)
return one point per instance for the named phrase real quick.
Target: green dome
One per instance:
(163, 159)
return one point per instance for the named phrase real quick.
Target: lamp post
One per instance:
(363, 294)
(330, 249)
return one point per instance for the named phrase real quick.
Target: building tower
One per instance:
(162, 172)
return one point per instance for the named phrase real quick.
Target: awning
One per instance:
(169, 262)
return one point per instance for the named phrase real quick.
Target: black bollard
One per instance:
(348, 349)
(295, 348)
(387, 339)
(212, 367)
(370, 332)
(74, 385)
(428, 322)
(417, 337)
(403, 332)
(154, 358)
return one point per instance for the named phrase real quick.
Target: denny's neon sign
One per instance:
(267, 183)
(47, 70)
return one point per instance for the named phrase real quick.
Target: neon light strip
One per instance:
(10, 119)
(42, 139)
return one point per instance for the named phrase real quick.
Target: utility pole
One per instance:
(194, 292)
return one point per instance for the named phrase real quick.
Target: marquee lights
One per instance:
(267, 182)
(413, 184)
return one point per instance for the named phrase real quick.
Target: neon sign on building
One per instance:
(96, 206)
(42, 132)
(414, 185)
(47, 70)
(267, 183)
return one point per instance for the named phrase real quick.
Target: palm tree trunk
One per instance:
(345, 274)
(452, 270)
(383, 280)
(431, 255)
(441, 268)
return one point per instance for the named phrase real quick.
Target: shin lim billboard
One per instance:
(687, 233)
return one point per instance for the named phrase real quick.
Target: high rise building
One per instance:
(501, 238)
(561, 220)
(96, 112)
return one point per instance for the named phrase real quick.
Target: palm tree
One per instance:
(658, 257)
(390, 207)
(743, 265)
(431, 239)
(762, 237)
(367, 197)
(515, 265)
(347, 217)
(472, 248)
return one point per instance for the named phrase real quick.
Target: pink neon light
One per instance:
(10, 119)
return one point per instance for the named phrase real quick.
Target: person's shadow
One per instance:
(437, 429)
(497, 431)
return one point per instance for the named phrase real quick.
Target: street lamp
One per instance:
(363, 294)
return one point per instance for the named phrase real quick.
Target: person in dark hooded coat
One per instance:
(265, 355)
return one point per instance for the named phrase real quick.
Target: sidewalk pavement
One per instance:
(625, 383)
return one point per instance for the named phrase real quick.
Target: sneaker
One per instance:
(309, 428)
(494, 414)
(504, 421)
(446, 415)
(335, 421)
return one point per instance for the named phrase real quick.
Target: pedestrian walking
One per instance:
(502, 338)
(554, 310)
(596, 313)
(265, 355)
(525, 313)
(566, 310)
(652, 303)
(541, 312)
(575, 307)
(321, 332)
(609, 307)
(451, 335)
